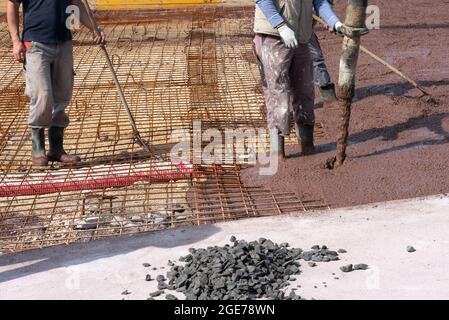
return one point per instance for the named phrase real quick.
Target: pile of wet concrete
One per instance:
(241, 271)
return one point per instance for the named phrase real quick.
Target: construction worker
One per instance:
(283, 31)
(45, 49)
(321, 76)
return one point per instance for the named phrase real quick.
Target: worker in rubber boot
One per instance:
(45, 49)
(321, 76)
(283, 31)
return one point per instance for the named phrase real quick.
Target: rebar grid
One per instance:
(176, 67)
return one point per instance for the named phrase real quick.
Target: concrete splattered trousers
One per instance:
(320, 74)
(49, 83)
(288, 82)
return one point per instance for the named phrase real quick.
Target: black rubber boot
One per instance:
(38, 157)
(57, 152)
(277, 143)
(305, 138)
(328, 93)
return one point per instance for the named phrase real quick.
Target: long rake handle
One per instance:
(381, 61)
(97, 33)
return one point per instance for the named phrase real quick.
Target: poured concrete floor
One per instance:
(376, 235)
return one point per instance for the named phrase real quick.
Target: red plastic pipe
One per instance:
(181, 172)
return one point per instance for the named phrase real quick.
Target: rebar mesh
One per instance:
(176, 67)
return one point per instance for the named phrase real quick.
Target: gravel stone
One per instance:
(162, 286)
(170, 297)
(160, 278)
(410, 249)
(146, 265)
(156, 293)
(342, 251)
(240, 270)
(361, 266)
(148, 278)
(347, 268)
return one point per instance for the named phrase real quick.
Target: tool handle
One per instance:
(115, 78)
(94, 24)
(383, 62)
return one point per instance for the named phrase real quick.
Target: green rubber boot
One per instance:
(305, 138)
(57, 152)
(328, 93)
(38, 157)
(277, 144)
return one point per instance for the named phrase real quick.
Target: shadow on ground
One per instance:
(433, 123)
(79, 253)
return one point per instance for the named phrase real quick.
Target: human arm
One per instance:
(84, 19)
(325, 12)
(272, 14)
(12, 14)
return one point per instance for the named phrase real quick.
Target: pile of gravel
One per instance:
(244, 270)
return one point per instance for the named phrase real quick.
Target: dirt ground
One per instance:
(398, 143)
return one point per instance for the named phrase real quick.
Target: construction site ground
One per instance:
(398, 143)
(377, 235)
(178, 67)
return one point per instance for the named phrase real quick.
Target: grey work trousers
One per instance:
(288, 82)
(49, 83)
(320, 74)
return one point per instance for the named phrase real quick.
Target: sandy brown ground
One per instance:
(399, 144)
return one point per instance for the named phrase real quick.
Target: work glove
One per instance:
(349, 32)
(288, 36)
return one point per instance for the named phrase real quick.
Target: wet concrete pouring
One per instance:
(398, 142)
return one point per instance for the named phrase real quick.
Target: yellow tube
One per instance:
(150, 4)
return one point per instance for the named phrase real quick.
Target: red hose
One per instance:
(181, 172)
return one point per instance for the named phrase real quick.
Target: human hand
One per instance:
(288, 36)
(19, 50)
(100, 37)
(349, 32)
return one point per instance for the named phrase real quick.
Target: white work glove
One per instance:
(338, 26)
(288, 36)
(349, 32)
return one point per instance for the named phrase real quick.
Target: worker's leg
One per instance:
(303, 97)
(40, 92)
(320, 74)
(39, 85)
(62, 81)
(276, 60)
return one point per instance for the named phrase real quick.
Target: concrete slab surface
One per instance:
(377, 235)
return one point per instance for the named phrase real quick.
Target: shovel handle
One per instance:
(94, 24)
